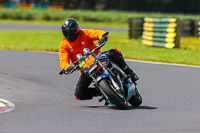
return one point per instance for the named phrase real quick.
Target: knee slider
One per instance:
(78, 95)
(78, 98)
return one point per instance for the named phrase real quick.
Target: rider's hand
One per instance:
(68, 69)
(103, 39)
(62, 72)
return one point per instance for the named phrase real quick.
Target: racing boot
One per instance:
(94, 92)
(130, 72)
(87, 94)
(124, 66)
(116, 56)
(134, 77)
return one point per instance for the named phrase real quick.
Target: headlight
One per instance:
(79, 57)
(86, 51)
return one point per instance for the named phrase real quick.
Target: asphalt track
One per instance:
(44, 100)
(14, 26)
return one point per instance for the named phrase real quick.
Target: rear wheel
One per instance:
(136, 99)
(113, 96)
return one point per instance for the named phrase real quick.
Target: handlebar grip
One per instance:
(62, 72)
(105, 34)
(71, 71)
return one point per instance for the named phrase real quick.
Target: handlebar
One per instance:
(100, 45)
(75, 67)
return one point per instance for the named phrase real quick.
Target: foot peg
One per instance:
(101, 99)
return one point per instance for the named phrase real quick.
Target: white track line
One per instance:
(161, 63)
(6, 106)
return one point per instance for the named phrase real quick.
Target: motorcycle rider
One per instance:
(75, 40)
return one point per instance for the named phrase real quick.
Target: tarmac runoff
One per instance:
(6, 106)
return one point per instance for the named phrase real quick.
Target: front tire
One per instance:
(112, 95)
(136, 99)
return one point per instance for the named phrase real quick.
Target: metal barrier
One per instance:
(30, 6)
(39, 6)
(170, 28)
(135, 27)
(162, 32)
(190, 28)
(53, 7)
(24, 6)
(10, 5)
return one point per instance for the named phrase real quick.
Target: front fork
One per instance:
(124, 82)
(118, 90)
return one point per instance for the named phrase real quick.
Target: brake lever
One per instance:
(74, 69)
(98, 47)
(71, 71)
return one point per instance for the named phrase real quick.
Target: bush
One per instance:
(34, 14)
(16, 14)
(85, 15)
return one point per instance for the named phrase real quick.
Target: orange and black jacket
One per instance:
(69, 50)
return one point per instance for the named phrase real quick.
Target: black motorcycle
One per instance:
(115, 87)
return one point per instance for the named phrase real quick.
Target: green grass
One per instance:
(132, 49)
(30, 40)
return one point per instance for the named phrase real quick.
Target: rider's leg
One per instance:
(116, 56)
(83, 91)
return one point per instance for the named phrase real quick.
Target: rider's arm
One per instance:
(94, 34)
(63, 56)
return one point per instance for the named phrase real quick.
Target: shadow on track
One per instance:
(116, 108)
(143, 107)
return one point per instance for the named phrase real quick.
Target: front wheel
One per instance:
(114, 98)
(136, 99)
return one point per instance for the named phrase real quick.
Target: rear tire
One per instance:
(136, 99)
(112, 96)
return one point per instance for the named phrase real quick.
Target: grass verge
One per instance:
(131, 49)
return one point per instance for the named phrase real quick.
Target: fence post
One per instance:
(135, 27)
(178, 33)
(132, 28)
(195, 27)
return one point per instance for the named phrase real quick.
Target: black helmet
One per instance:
(69, 28)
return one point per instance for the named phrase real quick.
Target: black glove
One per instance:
(62, 72)
(103, 39)
(69, 68)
